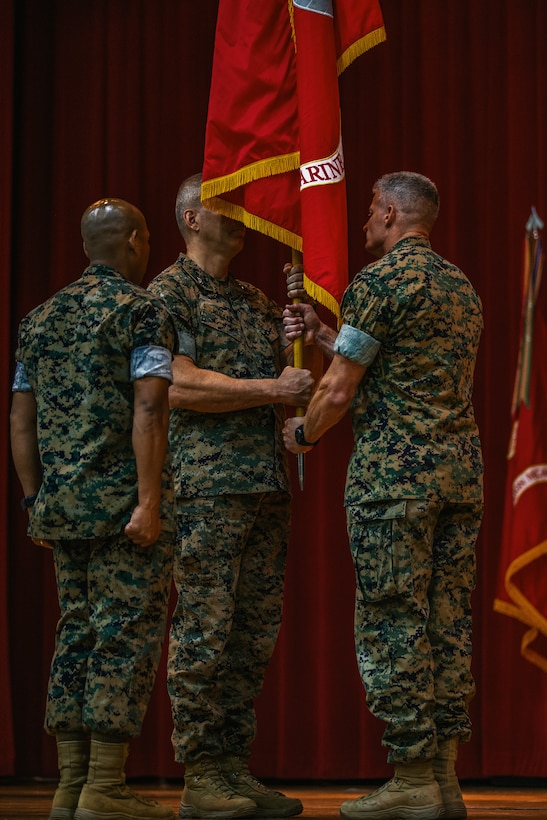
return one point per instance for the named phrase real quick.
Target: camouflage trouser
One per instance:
(229, 573)
(415, 570)
(113, 597)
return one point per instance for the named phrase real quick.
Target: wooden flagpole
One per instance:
(298, 360)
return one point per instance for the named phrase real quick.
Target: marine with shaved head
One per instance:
(403, 366)
(89, 424)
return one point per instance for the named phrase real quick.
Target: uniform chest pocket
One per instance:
(218, 318)
(381, 557)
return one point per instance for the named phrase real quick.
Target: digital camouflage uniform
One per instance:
(414, 492)
(79, 353)
(232, 487)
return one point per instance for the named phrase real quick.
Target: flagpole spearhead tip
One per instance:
(535, 223)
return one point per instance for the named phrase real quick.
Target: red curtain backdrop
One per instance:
(7, 761)
(110, 99)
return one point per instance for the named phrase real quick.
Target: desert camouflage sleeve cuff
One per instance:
(151, 360)
(20, 380)
(356, 345)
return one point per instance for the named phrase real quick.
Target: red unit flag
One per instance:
(522, 585)
(273, 145)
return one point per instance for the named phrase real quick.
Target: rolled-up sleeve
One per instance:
(151, 360)
(356, 345)
(20, 380)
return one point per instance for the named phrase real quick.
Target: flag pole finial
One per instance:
(535, 223)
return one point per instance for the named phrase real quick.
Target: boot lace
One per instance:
(242, 773)
(214, 776)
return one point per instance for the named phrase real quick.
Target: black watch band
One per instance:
(300, 438)
(27, 502)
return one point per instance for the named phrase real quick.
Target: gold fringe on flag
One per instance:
(255, 223)
(323, 297)
(521, 608)
(249, 173)
(373, 38)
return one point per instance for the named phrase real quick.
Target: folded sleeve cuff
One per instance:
(356, 345)
(20, 380)
(151, 360)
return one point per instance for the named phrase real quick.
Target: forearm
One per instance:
(150, 436)
(150, 430)
(207, 391)
(327, 408)
(324, 338)
(217, 393)
(24, 443)
(27, 464)
(329, 404)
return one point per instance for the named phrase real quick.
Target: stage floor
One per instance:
(32, 800)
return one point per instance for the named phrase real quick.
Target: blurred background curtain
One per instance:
(107, 98)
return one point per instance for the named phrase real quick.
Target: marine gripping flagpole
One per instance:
(298, 361)
(277, 127)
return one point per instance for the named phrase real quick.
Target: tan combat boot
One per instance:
(411, 794)
(106, 794)
(269, 803)
(207, 793)
(73, 760)
(445, 775)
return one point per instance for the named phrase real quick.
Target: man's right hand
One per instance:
(295, 283)
(295, 386)
(144, 526)
(300, 319)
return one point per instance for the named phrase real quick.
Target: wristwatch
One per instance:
(300, 438)
(27, 502)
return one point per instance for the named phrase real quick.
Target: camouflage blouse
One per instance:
(413, 421)
(230, 327)
(76, 351)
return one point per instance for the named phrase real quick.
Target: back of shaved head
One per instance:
(106, 226)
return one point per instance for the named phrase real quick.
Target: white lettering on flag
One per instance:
(323, 171)
(533, 475)
(318, 6)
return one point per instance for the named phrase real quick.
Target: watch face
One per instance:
(299, 435)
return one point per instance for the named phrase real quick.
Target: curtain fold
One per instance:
(7, 757)
(110, 99)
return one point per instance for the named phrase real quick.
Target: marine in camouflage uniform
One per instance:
(233, 500)
(80, 358)
(414, 494)
(76, 351)
(411, 328)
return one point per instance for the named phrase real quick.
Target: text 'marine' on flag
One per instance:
(522, 583)
(273, 148)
